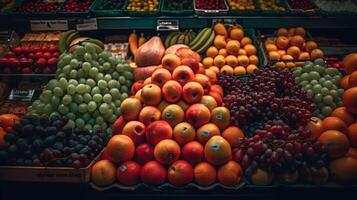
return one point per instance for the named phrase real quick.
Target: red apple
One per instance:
(56, 54)
(52, 62)
(52, 48)
(183, 74)
(44, 48)
(153, 173)
(105, 155)
(17, 50)
(180, 173)
(38, 55)
(31, 55)
(26, 50)
(192, 152)
(10, 54)
(47, 55)
(36, 49)
(157, 131)
(144, 153)
(192, 92)
(128, 173)
(192, 63)
(41, 62)
(26, 70)
(137, 86)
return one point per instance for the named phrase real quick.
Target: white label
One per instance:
(167, 25)
(87, 24)
(49, 25)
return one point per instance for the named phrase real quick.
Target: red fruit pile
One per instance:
(30, 59)
(77, 6)
(37, 6)
(334, 62)
(210, 4)
(301, 4)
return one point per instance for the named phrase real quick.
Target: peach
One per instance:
(204, 81)
(173, 114)
(103, 173)
(128, 173)
(192, 63)
(192, 152)
(144, 153)
(183, 105)
(183, 74)
(160, 76)
(205, 174)
(221, 117)
(130, 108)
(151, 94)
(192, 92)
(180, 173)
(172, 91)
(137, 86)
(209, 102)
(217, 97)
(153, 173)
(218, 89)
(184, 133)
(197, 115)
(205, 132)
(170, 62)
(135, 130)
(120, 148)
(157, 131)
(149, 114)
(167, 151)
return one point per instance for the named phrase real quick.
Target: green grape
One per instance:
(121, 79)
(96, 126)
(73, 82)
(101, 61)
(67, 69)
(104, 126)
(120, 68)
(316, 88)
(101, 68)
(93, 72)
(61, 64)
(319, 61)
(324, 91)
(97, 98)
(78, 98)
(95, 64)
(117, 103)
(95, 90)
(107, 98)
(73, 73)
(82, 108)
(103, 108)
(91, 121)
(99, 77)
(106, 66)
(328, 84)
(307, 68)
(102, 84)
(107, 77)
(124, 89)
(297, 72)
(87, 97)
(63, 109)
(73, 107)
(314, 82)
(81, 73)
(67, 58)
(340, 91)
(314, 75)
(48, 109)
(297, 80)
(92, 106)
(71, 124)
(333, 105)
(104, 55)
(89, 48)
(336, 79)
(79, 50)
(71, 116)
(316, 112)
(109, 131)
(128, 75)
(112, 119)
(96, 113)
(322, 80)
(57, 91)
(82, 81)
(52, 84)
(334, 94)
(63, 83)
(310, 93)
(112, 84)
(81, 88)
(318, 98)
(67, 99)
(80, 123)
(305, 77)
(55, 101)
(326, 110)
(74, 63)
(115, 75)
(123, 96)
(87, 57)
(112, 105)
(339, 103)
(328, 77)
(104, 91)
(54, 114)
(99, 120)
(331, 71)
(307, 87)
(111, 60)
(319, 69)
(86, 66)
(328, 99)
(91, 82)
(47, 94)
(128, 83)
(61, 75)
(114, 92)
(117, 112)
(71, 89)
(88, 126)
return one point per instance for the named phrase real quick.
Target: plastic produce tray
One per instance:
(76, 14)
(314, 11)
(142, 13)
(276, 12)
(168, 12)
(211, 12)
(235, 12)
(33, 14)
(107, 13)
(337, 13)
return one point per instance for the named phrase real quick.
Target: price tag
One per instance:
(49, 25)
(21, 95)
(167, 25)
(87, 24)
(228, 22)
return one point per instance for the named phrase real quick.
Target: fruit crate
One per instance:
(235, 12)
(313, 11)
(351, 3)
(87, 13)
(34, 13)
(47, 174)
(211, 12)
(282, 3)
(168, 12)
(107, 13)
(142, 13)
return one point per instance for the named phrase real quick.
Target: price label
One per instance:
(167, 25)
(87, 24)
(21, 95)
(225, 21)
(49, 25)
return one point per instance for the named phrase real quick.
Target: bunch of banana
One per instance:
(203, 40)
(178, 37)
(71, 38)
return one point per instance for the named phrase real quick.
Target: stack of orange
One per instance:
(232, 52)
(289, 45)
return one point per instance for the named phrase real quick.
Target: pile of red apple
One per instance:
(210, 4)
(77, 6)
(173, 129)
(39, 6)
(334, 62)
(34, 58)
(302, 4)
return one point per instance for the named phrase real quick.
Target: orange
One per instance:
(349, 99)
(227, 69)
(280, 65)
(300, 31)
(317, 53)
(349, 63)
(240, 70)
(268, 41)
(243, 60)
(245, 41)
(229, 174)
(212, 52)
(352, 134)
(233, 47)
(345, 82)
(207, 62)
(236, 34)
(334, 123)
(281, 52)
(298, 41)
(282, 42)
(294, 51)
(223, 52)
(310, 45)
(215, 69)
(217, 150)
(304, 56)
(205, 132)
(219, 61)
(274, 55)
(250, 49)
(352, 81)
(219, 42)
(103, 173)
(282, 32)
(271, 47)
(290, 65)
(343, 114)
(291, 32)
(233, 134)
(251, 68)
(204, 174)
(253, 59)
(167, 151)
(336, 143)
(120, 148)
(315, 127)
(287, 57)
(242, 52)
(231, 61)
(344, 170)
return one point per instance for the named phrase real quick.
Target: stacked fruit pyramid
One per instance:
(173, 128)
